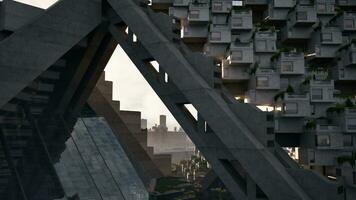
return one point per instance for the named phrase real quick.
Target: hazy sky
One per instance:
(130, 87)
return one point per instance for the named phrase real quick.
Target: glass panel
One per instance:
(262, 81)
(351, 123)
(215, 35)
(348, 140)
(323, 140)
(237, 21)
(349, 23)
(302, 15)
(317, 94)
(321, 7)
(327, 37)
(291, 108)
(194, 14)
(236, 55)
(217, 6)
(95, 166)
(287, 66)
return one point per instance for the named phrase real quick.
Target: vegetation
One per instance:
(339, 108)
(347, 159)
(166, 184)
(280, 95)
(254, 69)
(290, 89)
(310, 125)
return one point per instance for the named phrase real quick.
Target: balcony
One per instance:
(322, 91)
(178, 12)
(303, 15)
(325, 7)
(295, 106)
(346, 3)
(161, 2)
(346, 119)
(181, 3)
(267, 79)
(278, 9)
(323, 137)
(350, 118)
(235, 73)
(291, 63)
(219, 34)
(326, 157)
(346, 21)
(283, 3)
(193, 32)
(265, 41)
(198, 13)
(240, 53)
(347, 55)
(325, 42)
(255, 2)
(260, 97)
(220, 6)
(342, 73)
(241, 20)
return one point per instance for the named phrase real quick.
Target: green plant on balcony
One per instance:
(306, 80)
(310, 125)
(279, 95)
(290, 89)
(347, 159)
(254, 69)
(338, 108)
(348, 103)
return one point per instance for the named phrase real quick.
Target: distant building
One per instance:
(175, 142)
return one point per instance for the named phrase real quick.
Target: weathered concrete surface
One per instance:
(34, 47)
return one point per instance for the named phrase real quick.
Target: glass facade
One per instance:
(95, 166)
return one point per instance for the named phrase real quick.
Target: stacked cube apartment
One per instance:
(294, 58)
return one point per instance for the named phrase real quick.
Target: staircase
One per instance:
(101, 102)
(38, 59)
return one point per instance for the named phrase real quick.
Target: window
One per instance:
(302, 15)
(327, 37)
(331, 8)
(218, 6)
(311, 155)
(351, 123)
(178, 2)
(348, 141)
(321, 7)
(331, 94)
(353, 57)
(261, 45)
(236, 55)
(342, 73)
(349, 23)
(215, 35)
(317, 94)
(237, 3)
(287, 66)
(237, 22)
(290, 108)
(262, 81)
(323, 140)
(194, 14)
